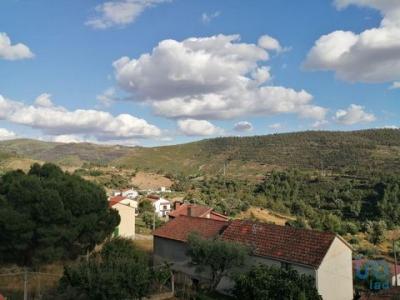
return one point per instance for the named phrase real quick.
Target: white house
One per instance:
(324, 256)
(162, 206)
(129, 193)
(127, 213)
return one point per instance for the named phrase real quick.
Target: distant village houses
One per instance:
(162, 207)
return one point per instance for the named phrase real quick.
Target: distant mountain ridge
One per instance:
(377, 149)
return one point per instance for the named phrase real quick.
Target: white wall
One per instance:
(335, 274)
(126, 227)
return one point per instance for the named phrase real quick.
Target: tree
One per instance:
(216, 255)
(47, 215)
(146, 206)
(119, 271)
(376, 232)
(270, 283)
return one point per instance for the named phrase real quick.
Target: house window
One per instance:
(165, 207)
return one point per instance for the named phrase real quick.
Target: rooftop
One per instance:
(179, 228)
(284, 243)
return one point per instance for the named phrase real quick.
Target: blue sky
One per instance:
(195, 69)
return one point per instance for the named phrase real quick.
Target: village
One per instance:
(325, 256)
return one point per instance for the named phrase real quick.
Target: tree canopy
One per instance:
(119, 271)
(270, 283)
(218, 256)
(47, 214)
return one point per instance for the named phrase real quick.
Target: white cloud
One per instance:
(319, 124)
(243, 126)
(13, 52)
(395, 85)
(44, 100)
(6, 134)
(390, 127)
(209, 78)
(269, 43)
(56, 120)
(275, 126)
(107, 97)
(352, 115)
(68, 139)
(207, 18)
(192, 127)
(119, 13)
(372, 56)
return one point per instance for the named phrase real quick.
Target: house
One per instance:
(325, 256)
(124, 200)
(127, 213)
(162, 207)
(195, 210)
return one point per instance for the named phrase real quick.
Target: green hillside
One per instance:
(377, 149)
(356, 151)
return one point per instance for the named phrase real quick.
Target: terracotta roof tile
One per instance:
(179, 228)
(302, 246)
(197, 210)
(114, 200)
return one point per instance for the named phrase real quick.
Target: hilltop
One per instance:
(374, 149)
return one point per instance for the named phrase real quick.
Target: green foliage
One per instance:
(217, 256)
(226, 196)
(150, 219)
(376, 232)
(122, 248)
(145, 206)
(47, 215)
(270, 283)
(118, 272)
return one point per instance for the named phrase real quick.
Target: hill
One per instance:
(353, 151)
(375, 149)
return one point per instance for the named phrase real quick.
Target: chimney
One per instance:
(177, 204)
(189, 210)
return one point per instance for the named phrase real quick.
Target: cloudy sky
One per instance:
(157, 72)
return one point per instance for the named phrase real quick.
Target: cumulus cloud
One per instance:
(243, 126)
(107, 97)
(269, 43)
(208, 17)
(372, 56)
(319, 124)
(192, 127)
(13, 52)
(275, 126)
(56, 120)
(395, 85)
(44, 100)
(215, 77)
(6, 134)
(352, 115)
(119, 13)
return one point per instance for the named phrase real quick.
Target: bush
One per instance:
(270, 283)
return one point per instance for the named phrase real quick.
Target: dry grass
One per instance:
(150, 181)
(264, 215)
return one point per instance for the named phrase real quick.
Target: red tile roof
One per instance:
(114, 200)
(179, 228)
(200, 211)
(284, 243)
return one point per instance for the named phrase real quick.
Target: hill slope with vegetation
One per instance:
(350, 152)
(355, 151)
